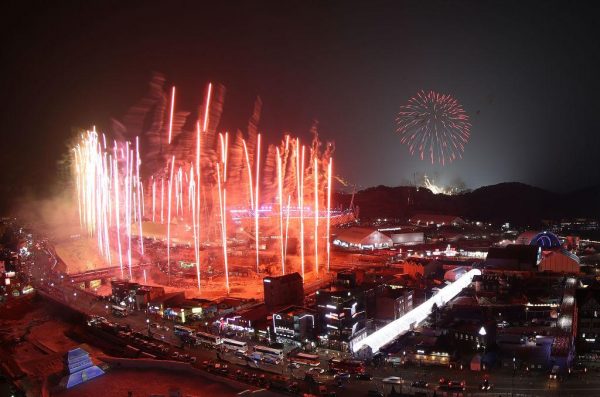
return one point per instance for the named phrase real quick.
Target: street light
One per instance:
(512, 390)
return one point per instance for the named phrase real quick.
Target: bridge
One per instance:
(411, 319)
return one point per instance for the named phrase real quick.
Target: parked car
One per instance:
(486, 385)
(342, 375)
(421, 384)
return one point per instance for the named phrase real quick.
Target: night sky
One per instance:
(527, 74)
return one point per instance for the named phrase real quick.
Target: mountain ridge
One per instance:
(513, 202)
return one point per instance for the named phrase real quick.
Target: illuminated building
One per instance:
(362, 238)
(407, 238)
(341, 317)
(251, 321)
(283, 290)
(134, 294)
(294, 324)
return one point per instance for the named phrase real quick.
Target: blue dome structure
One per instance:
(546, 240)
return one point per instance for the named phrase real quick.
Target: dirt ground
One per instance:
(145, 383)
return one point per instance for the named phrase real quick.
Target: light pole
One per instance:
(526, 312)
(483, 333)
(512, 390)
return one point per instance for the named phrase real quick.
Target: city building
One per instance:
(145, 294)
(513, 257)
(392, 302)
(161, 304)
(341, 317)
(362, 238)
(294, 324)
(545, 239)
(588, 324)
(407, 238)
(250, 322)
(559, 261)
(350, 278)
(283, 290)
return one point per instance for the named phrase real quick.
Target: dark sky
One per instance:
(526, 72)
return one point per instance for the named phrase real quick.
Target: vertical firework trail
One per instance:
(195, 227)
(171, 114)
(249, 168)
(222, 186)
(287, 228)
(316, 237)
(256, 203)
(329, 166)
(302, 237)
(128, 201)
(280, 196)
(117, 212)
(138, 162)
(162, 200)
(170, 187)
(153, 198)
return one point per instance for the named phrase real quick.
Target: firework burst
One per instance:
(435, 126)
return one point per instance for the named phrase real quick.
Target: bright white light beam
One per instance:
(391, 331)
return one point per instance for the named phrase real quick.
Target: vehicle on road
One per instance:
(235, 345)
(578, 368)
(182, 331)
(554, 372)
(420, 384)
(350, 366)
(452, 385)
(342, 376)
(364, 376)
(278, 353)
(205, 339)
(119, 311)
(485, 385)
(306, 359)
(270, 360)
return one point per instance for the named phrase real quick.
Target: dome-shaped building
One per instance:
(545, 239)
(552, 257)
